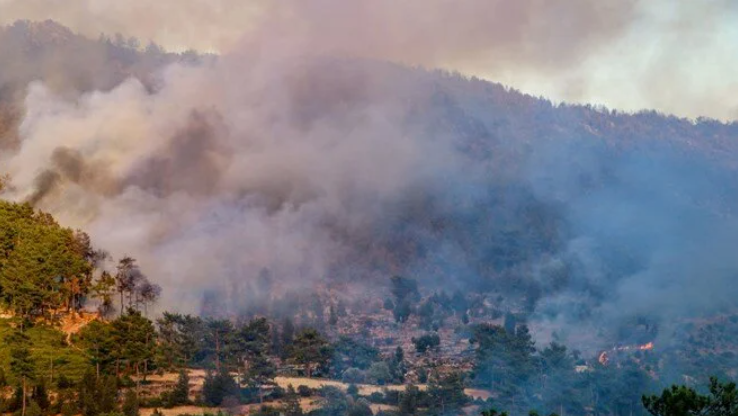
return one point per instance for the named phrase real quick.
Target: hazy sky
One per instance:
(678, 56)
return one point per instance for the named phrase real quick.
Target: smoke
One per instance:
(226, 169)
(673, 56)
(293, 153)
(418, 32)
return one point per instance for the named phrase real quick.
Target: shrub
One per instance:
(353, 375)
(304, 390)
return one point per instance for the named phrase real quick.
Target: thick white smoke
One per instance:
(223, 171)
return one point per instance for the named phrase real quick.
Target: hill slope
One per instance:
(339, 171)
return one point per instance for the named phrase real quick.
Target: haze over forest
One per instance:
(248, 155)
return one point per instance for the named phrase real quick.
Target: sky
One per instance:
(678, 56)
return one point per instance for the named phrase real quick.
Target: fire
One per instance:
(643, 347)
(604, 357)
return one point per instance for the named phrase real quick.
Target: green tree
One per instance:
(685, 401)
(134, 340)
(397, 365)
(217, 387)
(41, 395)
(218, 338)
(87, 390)
(352, 353)
(261, 372)
(358, 407)
(182, 340)
(379, 373)
(309, 349)
(446, 393)
(426, 342)
(403, 288)
(251, 345)
(288, 335)
(409, 400)
(402, 311)
(180, 395)
(21, 364)
(292, 403)
(42, 268)
(97, 340)
(130, 403)
(107, 396)
(34, 409)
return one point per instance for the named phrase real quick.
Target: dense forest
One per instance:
(103, 368)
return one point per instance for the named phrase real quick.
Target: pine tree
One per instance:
(41, 396)
(292, 403)
(409, 400)
(21, 364)
(310, 348)
(130, 403)
(288, 335)
(97, 339)
(397, 365)
(181, 391)
(134, 340)
(446, 392)
(34, 409)
(261, 372)
(68, 408)
(217, 387)
(107, 387)
(87, 391)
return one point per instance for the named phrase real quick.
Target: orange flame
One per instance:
(603, 358)
(645, 347)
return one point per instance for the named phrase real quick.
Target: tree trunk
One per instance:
(23, 411)
(138, 379)
(217, 351)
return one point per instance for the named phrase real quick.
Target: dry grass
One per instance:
(478, 393)
(365, 389)
(382, 407)
(179, 410)
(313, 383)
(197, 377)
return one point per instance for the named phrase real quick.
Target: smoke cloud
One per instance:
(675, 56)
(296, 152)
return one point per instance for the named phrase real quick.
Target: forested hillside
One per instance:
(44, 267)
(343, 236)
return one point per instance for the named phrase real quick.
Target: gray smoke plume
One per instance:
(676, 56)
(286, 154)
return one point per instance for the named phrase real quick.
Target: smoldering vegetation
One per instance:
(338, 172)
